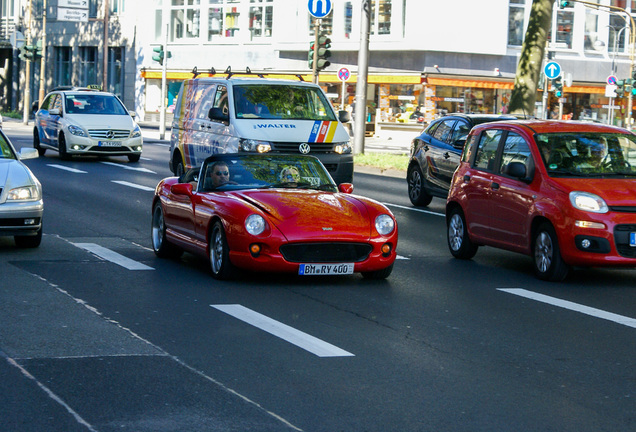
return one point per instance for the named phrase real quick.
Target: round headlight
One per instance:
(384, 224)
(255, 224)
(588, 202)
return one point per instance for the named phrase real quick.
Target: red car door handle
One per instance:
(466, 178)
(494, 186)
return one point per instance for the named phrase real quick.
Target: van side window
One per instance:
(203, 101)
(220, 100)
(487, 150)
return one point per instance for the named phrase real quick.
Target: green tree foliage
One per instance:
(524, 94)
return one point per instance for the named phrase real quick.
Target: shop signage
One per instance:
(447, 99)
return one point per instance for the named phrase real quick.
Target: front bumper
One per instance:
(79, 145)
(21, 218)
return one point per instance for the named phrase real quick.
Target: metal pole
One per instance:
(43, 59)
(361, 84)
(27, 69)
(164, 69)
(317, 24)
(106, 25)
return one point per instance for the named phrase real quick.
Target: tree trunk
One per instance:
(524, 94)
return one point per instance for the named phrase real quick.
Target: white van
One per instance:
(230, 115)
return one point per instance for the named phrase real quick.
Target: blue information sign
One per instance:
(552, 70)
(319, 8)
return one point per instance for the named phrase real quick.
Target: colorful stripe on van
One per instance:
(323, 131)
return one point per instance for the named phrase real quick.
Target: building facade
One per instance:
(453, 56)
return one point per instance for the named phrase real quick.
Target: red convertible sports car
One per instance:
(273, 213)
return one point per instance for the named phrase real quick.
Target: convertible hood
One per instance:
(310, 214)
(95, 121)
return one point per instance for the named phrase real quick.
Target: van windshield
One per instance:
(288, 102)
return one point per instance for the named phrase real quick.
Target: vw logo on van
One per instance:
(304, 148)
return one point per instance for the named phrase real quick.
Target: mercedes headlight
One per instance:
(588, 202)
(252, 145)
(384, 224)
(76, 130)
(25, 193)
(255, 224)
(136, 132)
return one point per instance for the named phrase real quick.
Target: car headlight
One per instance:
(136, 132)
(25, 193)
(342, 148)
(252, 145)
(255, 224)
(588, 202)
(384, 224)
(76, 130)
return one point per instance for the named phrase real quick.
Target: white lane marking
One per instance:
(65, 168)
(113, 257)
(283, 331)
(133, 185)
(401, 257)
(598, 313)
(145, 158)
(415, 209)
(129, 167)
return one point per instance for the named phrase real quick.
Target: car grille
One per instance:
(17, 222)
(109, 133)
(294, 147)
(621, 238)
(326, 252)
(109, 149)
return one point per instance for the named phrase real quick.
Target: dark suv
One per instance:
(436, 152)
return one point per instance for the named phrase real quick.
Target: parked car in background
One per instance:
(561, 192)
(21, 205)
(435, 155)
(86, 122)
(272, 212)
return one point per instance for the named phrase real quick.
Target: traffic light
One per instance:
(620, 88)
(563, 4)
(310, 55)
(160, 54)
(557, 86)
(324, 45)
(30, 52)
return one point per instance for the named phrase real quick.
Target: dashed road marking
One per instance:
(146, 170)
(112, 256)
(133, 185)
(65, 168)
(598, 313)
(415, 209)
(283, 331)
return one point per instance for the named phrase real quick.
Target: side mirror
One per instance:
(28, 153)
(346, 188)
(181, 189)
(218, 115)
(516, 170)
(55, 111)
(133, 114)
(344, 116)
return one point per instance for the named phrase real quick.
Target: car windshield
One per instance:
(289, 102)
(6, 152)
(264, 172)
(88, 103)
(588, 154)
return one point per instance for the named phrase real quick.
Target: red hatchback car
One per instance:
(562, 192)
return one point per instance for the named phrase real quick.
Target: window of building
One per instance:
(348, 19)
(92, 8)
(117, 6)
(516, 12)
(261, 18)
(115, 71)
(381, 17)
(63, 66)
(326, 24)
(87, 66)
(184, 19)
(223, 18)
(617, 29)
(564, 23)
(591, 39)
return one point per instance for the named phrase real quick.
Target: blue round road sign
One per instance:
(319, 8)
(552, 70)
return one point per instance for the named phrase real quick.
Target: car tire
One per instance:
(546, 254)
(61, 148)
(160, 244)
(459, 242)
(219, 253)
(134, 158)
(378, 274)
(417, 193)
(36, 142)
(179, 169)
(32, 241)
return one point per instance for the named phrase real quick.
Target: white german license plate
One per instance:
(632, 239)
(325, 269)
(109, 143)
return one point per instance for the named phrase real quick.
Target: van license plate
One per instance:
(109, 143)
(632, 239)
(325, 269)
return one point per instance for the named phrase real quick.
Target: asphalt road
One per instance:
(98, 334)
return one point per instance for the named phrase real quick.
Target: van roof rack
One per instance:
(248, 71)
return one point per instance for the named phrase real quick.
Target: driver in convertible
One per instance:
(289, 174)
